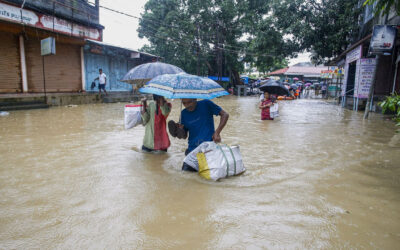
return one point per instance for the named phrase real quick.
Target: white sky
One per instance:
(120, 30)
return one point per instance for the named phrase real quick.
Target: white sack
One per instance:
(132, 115)
(274, 110)
(217, 161)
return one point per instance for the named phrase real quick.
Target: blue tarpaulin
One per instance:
(223, 79)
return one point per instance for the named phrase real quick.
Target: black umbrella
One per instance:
(274, 87)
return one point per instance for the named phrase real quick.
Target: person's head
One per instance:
(157, 98)
(100, 71)
(266, 95)
(190, 104)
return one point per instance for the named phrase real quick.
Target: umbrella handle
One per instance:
(180, 113)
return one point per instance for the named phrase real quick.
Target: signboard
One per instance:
(326, 74)
(354, 55)
(96, 49)
(48, 46)
(382, 40)
(13, 14)
(366, 75)
(346, 70)
(135, 55)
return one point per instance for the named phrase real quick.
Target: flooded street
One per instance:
(317, 177)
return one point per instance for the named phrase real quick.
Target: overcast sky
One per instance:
(120, 30)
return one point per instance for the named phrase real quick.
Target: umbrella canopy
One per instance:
(274, 87)
(182, 85)
(143, 73)
(293, 86)
(308, 84)
(296, 79)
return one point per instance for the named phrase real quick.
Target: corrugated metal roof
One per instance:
(305, 70)
(279, 71)
(118, 47)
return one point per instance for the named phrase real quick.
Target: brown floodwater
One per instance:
(317, 177)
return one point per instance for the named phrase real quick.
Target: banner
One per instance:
(366, 75)
(382, 40)
(13, 14)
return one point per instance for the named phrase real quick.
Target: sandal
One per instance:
(172, 127)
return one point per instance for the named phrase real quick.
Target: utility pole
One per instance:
(198, 50)
(219, 49)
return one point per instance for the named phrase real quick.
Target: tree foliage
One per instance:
(324, 28)
(212, 36)
(218, 36)
(384, 6)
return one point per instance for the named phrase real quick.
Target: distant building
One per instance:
(304, 73)
(115, 62)
(299, 73)
(279, 73)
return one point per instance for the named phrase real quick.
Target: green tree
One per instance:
(206, 36)
(324, 28)
(383, 6)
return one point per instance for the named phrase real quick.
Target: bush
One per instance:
(392, 105)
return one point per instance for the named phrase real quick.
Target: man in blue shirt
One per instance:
(198, 119)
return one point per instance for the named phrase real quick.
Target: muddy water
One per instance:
(317, 177)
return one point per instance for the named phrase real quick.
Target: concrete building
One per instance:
(23, 24)
(360, 66)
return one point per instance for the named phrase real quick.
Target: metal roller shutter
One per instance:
(63, 70)
(10, 69)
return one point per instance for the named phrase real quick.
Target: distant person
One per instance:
(102, 81)
(154, 117)
(323, 90)
(265, 107)
(197, 119)
(316, 90)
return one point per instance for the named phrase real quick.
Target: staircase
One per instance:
(19, 103)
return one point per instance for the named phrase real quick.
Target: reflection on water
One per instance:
(317, 177)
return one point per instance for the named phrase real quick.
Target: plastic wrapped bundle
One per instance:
(214, 161)
(132, 115)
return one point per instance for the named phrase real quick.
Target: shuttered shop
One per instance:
(62, 70)
(10, 70)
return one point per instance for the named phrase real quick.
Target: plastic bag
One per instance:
(274, 111)
(214, 161)
(132, 115)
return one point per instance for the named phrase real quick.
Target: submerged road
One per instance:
(317, 177)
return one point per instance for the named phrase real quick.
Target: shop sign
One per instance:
(135, 55)
(326, 74)
(96, 49)
(48, 46)
(366, 75)
(13, 14)
(382, 40)
(354, 55)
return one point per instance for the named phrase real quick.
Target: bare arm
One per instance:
(265, 106)
(222, 122)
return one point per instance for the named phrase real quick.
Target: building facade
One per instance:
(360, 66)
(23, 24)
(115, 63)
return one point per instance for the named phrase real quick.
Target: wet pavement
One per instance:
(317, 177)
